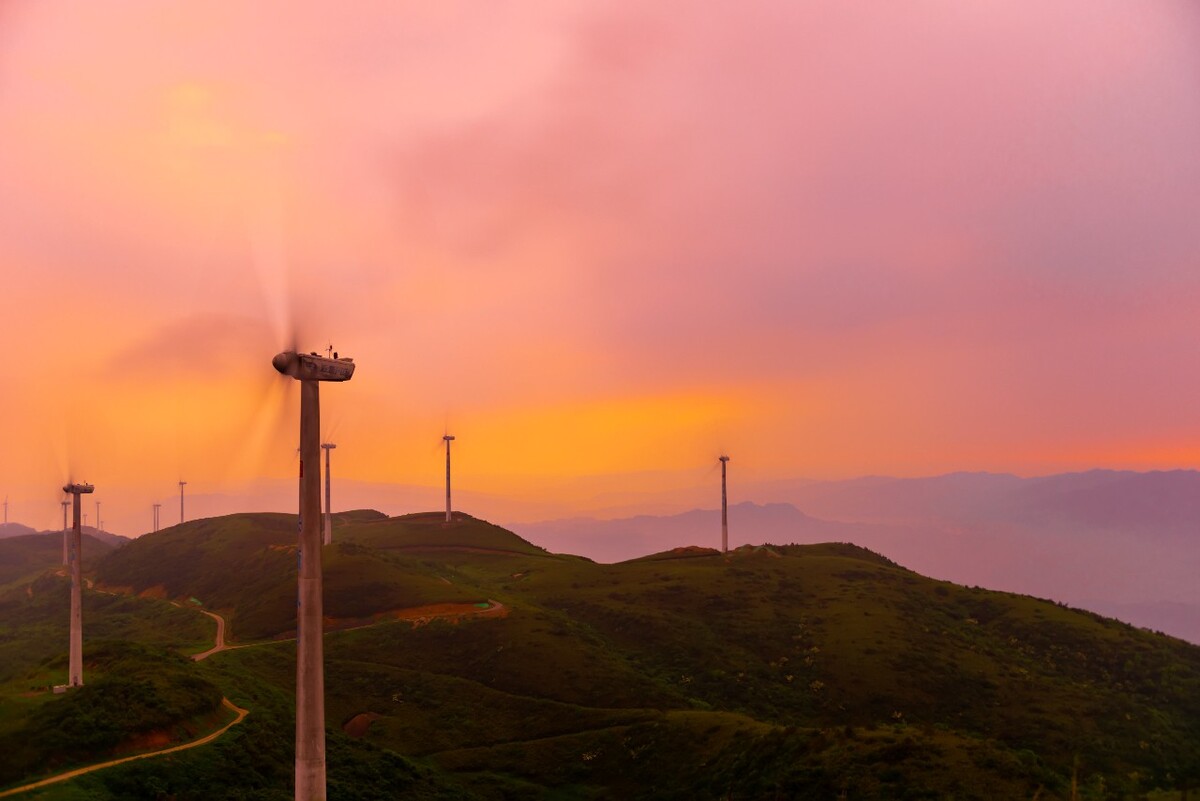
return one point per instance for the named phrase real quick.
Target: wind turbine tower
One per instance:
(310, 370)
(181, 486)
(157, 506)
(75, 662)
(6, 510)
(328, 446)
(66, 536)
(448, 439)
(98, 516)
(724, 509)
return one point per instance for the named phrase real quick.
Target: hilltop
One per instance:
(799, 671)
(23, 557)
(1021, 535)
(374, 566)
(15, 530)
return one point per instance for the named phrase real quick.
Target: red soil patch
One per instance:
(357, 726)
(158, 592)
(151, 740)
(420, 615)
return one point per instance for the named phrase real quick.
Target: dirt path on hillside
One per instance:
(71, 774)
(219, 642)
(417, 615)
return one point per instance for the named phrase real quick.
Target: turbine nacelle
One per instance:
(311, 367)
(78, 489)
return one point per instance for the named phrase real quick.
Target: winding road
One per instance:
(71, 774)
(218, 643)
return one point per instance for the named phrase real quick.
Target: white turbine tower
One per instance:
(310, 370)
(66, 536)
(182, 484)
(157, 506)
(328, 446)
(75, 661)
(724, 509)
(448, 439)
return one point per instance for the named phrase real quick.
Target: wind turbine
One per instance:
(98, 521)
(328, 446)
(75, 662)
(6, 510)
(724, 509)
(448, 439)
(182, 484)
(66, 536)
(157, 506)
(310, 370)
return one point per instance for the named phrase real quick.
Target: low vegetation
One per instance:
(791, 671)
(138, 697)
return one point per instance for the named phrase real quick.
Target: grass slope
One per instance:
(135, 698)
(24, 557)
(790, 671)
(245, 566)
(34, 629)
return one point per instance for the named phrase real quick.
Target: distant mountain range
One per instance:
(1120, 543)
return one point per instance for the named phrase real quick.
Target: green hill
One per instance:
(245, 566)
(34, 628)
(133, 695)
(428, 532)
(23, 557)
(789, 671)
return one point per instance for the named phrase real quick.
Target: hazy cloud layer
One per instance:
(831, 238)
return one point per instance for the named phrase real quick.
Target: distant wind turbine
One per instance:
(182, 484)
(66, 536)
(724, 509)
(448, 439)
(328, 446)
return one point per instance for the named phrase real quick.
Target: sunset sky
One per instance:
(596, 239)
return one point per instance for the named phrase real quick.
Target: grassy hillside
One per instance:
(774, 672)
(34, 628)
(428, 532)
(826, 638)
(134, 698)
(23, 557)
(245, 566)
